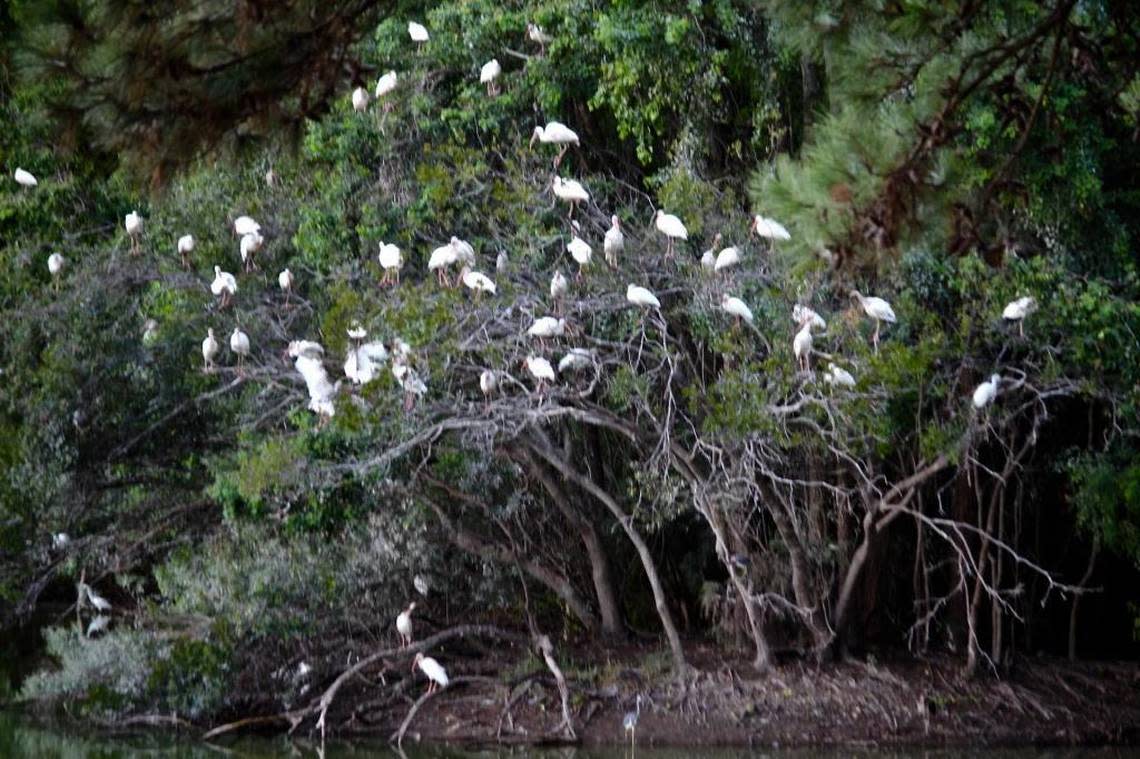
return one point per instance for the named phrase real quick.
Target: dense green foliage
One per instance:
(950, 157)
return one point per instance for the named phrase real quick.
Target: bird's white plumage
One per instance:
(250, 244)
(1018, 309)
(360, 100)
(727, 258)
(488, 381)
(801, 343)
(769, 228)
(433, 669)
(490, 71)
(540, 369)
(408, 379)
(245, 225)
(185, 244)
(558, 285)
(364, 362)
(418, 32)
(547, 326)
(224, 282)
(478, 282)
(877, 308)
(570, 190)
(736, 307)
(614, 242)
(55, 264)
(577, 358)
(502, 262)
(464, 250)
(555, 132)
(307, 355)
(442, 257)
(210, 347)
(390, 256)
(580, 251)
(239, 342)
(25, 178)
(132, 222)
(285, 280)
(670, 226)
(802, 313)
(640, 296)
(985, 393)
(837, 375)
(100, 603)
(386, 84)
(306, 348)
(404, 622)
(708, 261)
(534, 33)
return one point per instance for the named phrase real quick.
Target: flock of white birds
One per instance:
(366, 360)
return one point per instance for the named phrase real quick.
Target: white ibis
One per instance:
(245, 225)
(769, 229)
(404, 625)
(629, 722)
(577, 358)
(581, 252)
(209, 350)
(570, 191)
(385, 84)
(391, 259)
(802, 313)
(464, 250)
(418, 32)
(488, 383)
(541, 370)
(837, 375)
(185, 248)
(285, 282)
(489, 75)
(308, 355)
(100, 603)
(360, 100)
(1017, 311)
(547, 326)
(436, 675)
(727, 258)
(410, 382)
(476, 281)
(364, 360)
(640, 296)
(239, 344)
(672, 227)
(224, 285)
(502, 262)
(132, 222)
(736, 307)
(555, 133)
(249, 246)
(878, 309)
(708, 258)
(421, 584)
(985, 393)
(558, 285)
(441, 258)
(25, 178)
(55, 264)
(801, 346)
(535, 34)
(614, 242)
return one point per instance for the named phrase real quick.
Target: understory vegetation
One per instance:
(690, 484)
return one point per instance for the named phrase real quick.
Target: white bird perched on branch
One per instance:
(502, 262)
(985, 393)
(224, 285)
(249, 246)
(436, 675)
(385, 84)
(464, 249)
(96, 600)
(25, 178)
(547, 326)
(670, 226)
(488, 75)
(837, 375)
(727, 258)
(418, 32)
(640, 296)
(614, 242)
(285, 282)
(132, 222)
(391, 259)
(736, 307)
(769, 229)
(571, 191)
(555, 133)
(60, 541)
(878, 309)
(577, 358)
(55, 264)
(209, 350)
(404, 625)
(541, 370)
(488, 382)
(535, 34)
(802, 313)
(245, 225)
(1018, 310)
(364, 362)
(360, 100)
(185, 248)
(308, 355)
(708, 258)
(558, 285)
(441, 258)
(581, 252)
(410, 382)
(239, 344)
(477, 281)
(801, 346)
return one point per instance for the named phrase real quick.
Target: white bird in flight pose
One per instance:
(878, 309)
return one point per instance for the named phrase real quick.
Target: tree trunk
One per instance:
(541, 446)
(1077, 600)
(801, 572)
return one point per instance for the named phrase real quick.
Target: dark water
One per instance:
(20, 738)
